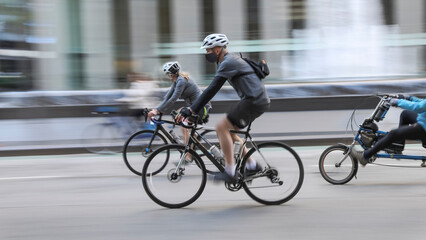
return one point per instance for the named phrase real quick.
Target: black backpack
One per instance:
(260, 68)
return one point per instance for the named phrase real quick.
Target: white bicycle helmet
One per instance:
(215, 40)
(171, 67)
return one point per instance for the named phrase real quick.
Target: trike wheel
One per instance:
(336, 165)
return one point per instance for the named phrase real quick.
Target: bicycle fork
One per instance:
(348, 152)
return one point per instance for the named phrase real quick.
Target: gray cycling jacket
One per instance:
(243, 79)
(181, 89)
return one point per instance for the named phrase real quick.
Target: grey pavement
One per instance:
(86, 196)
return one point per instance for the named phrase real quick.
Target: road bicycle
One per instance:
(143, 143)
(178, 185)
(336, 164)
(108, 136)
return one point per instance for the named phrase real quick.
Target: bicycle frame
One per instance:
(206, 152)
(386, 155)
(159, 128)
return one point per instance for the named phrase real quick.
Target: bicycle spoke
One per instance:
(174, 186)
(336, 166)
(280, 181)
(139, 147)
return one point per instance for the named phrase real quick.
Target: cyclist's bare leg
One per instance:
(226, 141)
(250, 161)
(185, 136)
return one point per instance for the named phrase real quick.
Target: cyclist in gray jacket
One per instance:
(251, 90)
(182, 88)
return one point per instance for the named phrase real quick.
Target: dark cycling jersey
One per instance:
(240, 76)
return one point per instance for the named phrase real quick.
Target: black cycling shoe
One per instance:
(249, 172)
(224, 177)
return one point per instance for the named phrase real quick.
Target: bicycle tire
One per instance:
(101, 138)
(331, 171)
(281, 178)
(136, 144)
(167, 188)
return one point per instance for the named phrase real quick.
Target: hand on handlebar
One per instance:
(152, 113)
(183, 114)
(394, 102)
(406, 97)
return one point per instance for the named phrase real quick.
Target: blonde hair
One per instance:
(184, 75)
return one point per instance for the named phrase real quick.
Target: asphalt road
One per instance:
(95, 197)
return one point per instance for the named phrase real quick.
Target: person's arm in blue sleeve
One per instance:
(208, 93)
(415, 99)
(180, 86)
(416, 106)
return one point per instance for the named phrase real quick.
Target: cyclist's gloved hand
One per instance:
(406, 97)
(185, 112)
(394, 102)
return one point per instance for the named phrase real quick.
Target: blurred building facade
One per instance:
(94, 44)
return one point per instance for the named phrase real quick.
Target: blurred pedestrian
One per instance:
(141, 93)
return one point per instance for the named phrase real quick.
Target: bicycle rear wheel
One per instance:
(173, 187)
(334, 167)
(282, 175)
(103, 138)
(138, 148)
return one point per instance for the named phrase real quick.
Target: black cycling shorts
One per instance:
(245, 112)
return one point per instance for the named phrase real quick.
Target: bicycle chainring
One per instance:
(233, 187)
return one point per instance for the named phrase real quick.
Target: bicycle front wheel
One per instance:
(282, 175)
(176, 185)
(138, 148)
(336, 166)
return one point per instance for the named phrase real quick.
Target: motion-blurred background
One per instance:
(61, 58)
(94, 44)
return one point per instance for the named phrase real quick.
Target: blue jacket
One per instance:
(417, 105)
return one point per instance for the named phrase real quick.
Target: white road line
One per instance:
(30, 177)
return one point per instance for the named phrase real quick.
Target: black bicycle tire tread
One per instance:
(325, 175)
